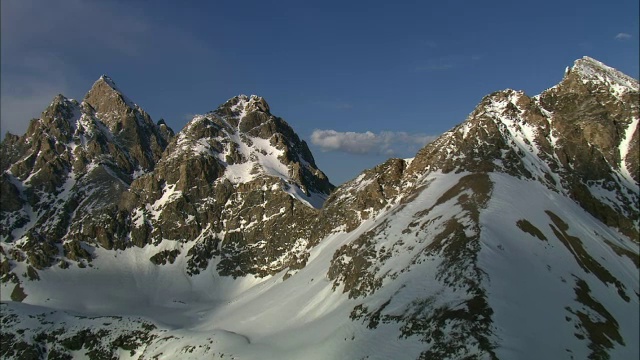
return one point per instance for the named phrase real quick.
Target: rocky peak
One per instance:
(104, 94)
(580, 137)
(252, 103)
(243, 104)
(108, 81)
(243, 142)
(165, 130)
(59, 118)
(59, 100)
(590, 117)
(111, 105)
(130, 125)
(227, 180)
(594, 71)
(245, 113)
(600, 106)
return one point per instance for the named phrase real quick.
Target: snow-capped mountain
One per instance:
(100, 173)
(512, 236)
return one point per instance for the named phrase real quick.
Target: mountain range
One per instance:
(515, 235)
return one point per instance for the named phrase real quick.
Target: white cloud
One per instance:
(384, 143)
(623, 36)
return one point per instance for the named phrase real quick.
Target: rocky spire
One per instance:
(591, 70)
(111, 105)
(132, 126)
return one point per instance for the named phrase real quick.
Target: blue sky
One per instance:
(372, 79)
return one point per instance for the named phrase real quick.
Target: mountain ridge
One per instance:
(513, 235)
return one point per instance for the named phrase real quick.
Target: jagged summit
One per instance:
(58, 99)
(594, 71)
(245, 143)
(107, 79)
(104, 82)
(111, 103)
(246, 104)
(589, 66)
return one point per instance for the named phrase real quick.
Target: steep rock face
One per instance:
(596, 109)
(236, 181)
(359, 199)
(131, 126)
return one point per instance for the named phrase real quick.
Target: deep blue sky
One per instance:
(413, 67)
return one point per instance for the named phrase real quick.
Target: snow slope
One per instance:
(304, 317)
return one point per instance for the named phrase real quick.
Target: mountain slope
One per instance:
(514, 235)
